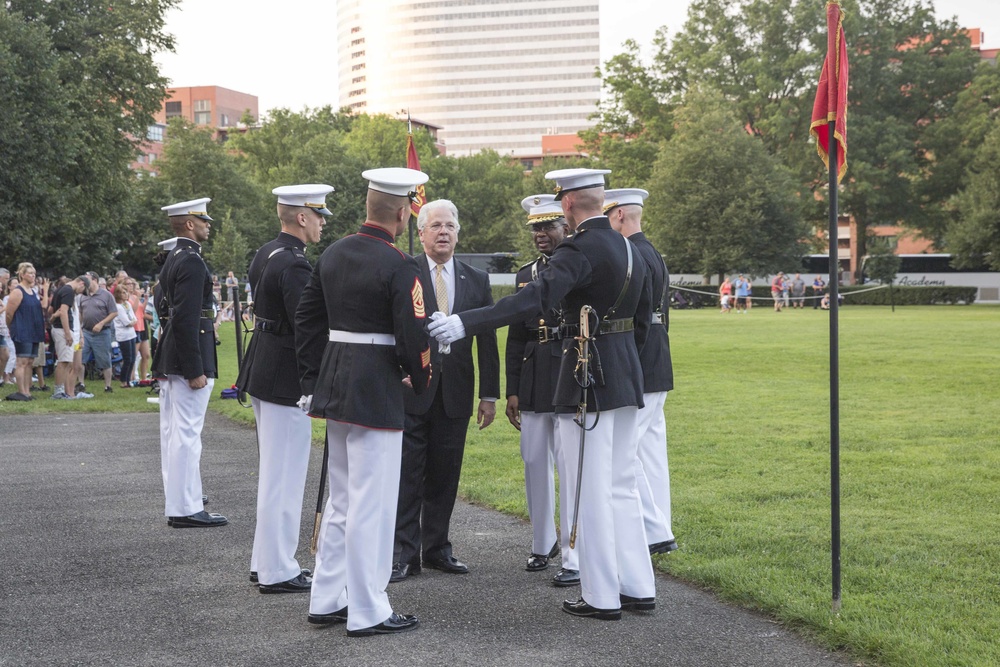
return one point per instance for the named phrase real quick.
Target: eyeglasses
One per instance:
(438, 226)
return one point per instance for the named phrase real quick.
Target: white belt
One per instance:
(337, 336)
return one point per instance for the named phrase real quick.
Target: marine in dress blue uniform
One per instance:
(533, 356)
(185, 364)
(359, 335)
(592, 268)
(624, 208)
(278, 274)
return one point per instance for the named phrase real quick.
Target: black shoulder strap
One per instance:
(628, 279)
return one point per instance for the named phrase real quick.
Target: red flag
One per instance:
(413, 162)
(831, 96)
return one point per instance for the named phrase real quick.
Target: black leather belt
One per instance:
(546, 334)
(277, 327)
(208, 314)
(607, 327)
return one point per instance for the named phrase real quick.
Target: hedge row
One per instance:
(854, 295)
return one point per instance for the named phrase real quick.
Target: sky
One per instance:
(250, 47)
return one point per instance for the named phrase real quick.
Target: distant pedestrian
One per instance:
(798, 291)
(726, 295)
(742, 294)
(125, 334)
(818, 289)
(26, 322)
(777, 285)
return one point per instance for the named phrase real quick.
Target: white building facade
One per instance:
(494, 74)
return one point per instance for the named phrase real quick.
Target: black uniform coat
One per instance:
(586, 269)
(187, 342)
(657, 370)
(456, 372)
(532, 367)
(278, 274)
(363, 284)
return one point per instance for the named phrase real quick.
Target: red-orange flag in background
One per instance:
(831, 96)
(413, 162)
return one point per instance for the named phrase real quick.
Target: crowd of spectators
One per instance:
(786, 292)
(71, 327)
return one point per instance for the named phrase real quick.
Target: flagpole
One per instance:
(834, 373)
(409, 132)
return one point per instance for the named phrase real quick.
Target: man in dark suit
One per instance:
(597, 267)
(278, 275)
(185, 364)
(437, 421)
(624, 209)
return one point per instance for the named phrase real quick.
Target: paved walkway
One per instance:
(91, 575)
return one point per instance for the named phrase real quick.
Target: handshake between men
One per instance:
(446, 329)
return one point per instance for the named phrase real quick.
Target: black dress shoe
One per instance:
(538, 562)
(254, 579)
(339, 616)
(663, 547)
(566, 578)
(630, 603)
(300, 583)
(401, 571)
(581, 608)
(200, 520)
(448, 564)
(391, 625)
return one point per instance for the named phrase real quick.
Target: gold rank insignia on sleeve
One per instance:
(520, 285)
(425, 357)
(417, 294)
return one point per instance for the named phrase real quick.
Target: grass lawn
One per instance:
(749, 451)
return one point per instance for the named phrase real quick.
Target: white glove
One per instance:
(305, 402)
(446, 329)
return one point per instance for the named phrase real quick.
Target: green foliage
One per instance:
(881, 264)
(230, 251)
(195, 165)
(79, 89)
(855, 295)
(713, 214)
(487, 190)
(977, 233)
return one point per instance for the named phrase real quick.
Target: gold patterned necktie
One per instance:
(441, 289)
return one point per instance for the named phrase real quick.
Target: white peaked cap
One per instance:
(568, 180)
(623, 197)
(397, 181)
(310, 195)
(195, 207)
(542, 208)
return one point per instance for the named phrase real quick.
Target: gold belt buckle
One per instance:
(543, 332)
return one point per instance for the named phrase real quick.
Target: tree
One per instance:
(230, 251)
(882, 264)
(487, 190)
(720, 202)
(101, 57)
(195, 165)
(907, 71)
(976, 235)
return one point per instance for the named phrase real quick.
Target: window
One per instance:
(203, 105)
(173, 109)
(223, 120)
(203, 118)
(141, 159)
(358, 79)
(152, 158)
(357, 54)
(155, 132)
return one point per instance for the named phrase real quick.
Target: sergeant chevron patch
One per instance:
(417, 294)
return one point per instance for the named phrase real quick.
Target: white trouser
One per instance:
(359, 523)
(651, 471)
(182, 417)
(614, 556)
(284, 436)
(567, 487)
(538, 454)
